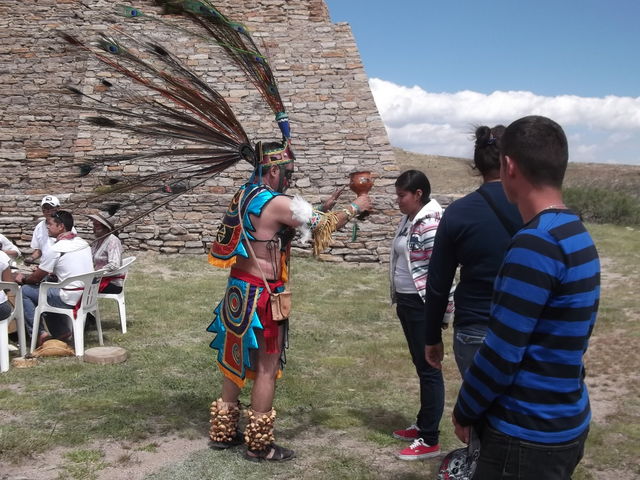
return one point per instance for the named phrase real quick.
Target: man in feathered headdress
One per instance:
(256, 232)
(254, 238)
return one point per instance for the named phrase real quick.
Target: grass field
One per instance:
(348, 382)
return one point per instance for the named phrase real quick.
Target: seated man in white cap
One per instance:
(40, 240)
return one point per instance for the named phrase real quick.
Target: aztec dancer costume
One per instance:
(246, 300)
(156, 96)
(244, 307)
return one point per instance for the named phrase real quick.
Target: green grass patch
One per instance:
(82, 464)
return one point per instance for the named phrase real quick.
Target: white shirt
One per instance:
(402, 277)
(40, 239)
(6, 244)
(4, 264)
(68, 258)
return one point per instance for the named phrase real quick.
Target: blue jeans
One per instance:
(506, 457)
(30, 302)
(410, 310)
(467, 341)
(5, 310)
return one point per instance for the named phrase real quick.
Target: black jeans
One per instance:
(410, 310)
(111, 288)
(506, 457)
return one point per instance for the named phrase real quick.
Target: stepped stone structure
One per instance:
(336, 126)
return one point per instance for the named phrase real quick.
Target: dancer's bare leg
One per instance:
(230, 391)
(266, 368)
(259, 430)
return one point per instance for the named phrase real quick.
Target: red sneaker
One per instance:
(409, 434)
(419, 450)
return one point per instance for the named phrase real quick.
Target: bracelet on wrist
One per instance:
(349, 213)
(355, 207)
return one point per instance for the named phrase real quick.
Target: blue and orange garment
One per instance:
(244, 306)
(229, 242)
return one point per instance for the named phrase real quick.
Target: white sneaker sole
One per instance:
(400, 437)
(424, 456)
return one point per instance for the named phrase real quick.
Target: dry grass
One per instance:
(454, 176)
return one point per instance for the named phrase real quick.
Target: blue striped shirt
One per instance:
(527, 380)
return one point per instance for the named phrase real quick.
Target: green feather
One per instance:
(130, 12)
(111, 46)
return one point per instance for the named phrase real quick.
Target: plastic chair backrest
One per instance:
(15, 289)
(87, 280)
(124, 268)
(16, 312)
(90, 293)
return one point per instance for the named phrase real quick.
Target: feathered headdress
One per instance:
(157, 96)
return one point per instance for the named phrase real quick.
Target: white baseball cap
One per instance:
(50, 200)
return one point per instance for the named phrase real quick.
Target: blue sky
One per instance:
(437, 69)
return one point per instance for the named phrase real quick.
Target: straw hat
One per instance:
(100, 219)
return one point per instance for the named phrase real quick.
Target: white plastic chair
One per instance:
(16, 313)
(88, 304)
(119, 297)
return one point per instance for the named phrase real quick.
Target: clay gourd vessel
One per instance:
(360, 182)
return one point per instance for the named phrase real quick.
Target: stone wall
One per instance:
(336, 126)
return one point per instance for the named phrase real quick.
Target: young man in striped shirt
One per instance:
(525, 390)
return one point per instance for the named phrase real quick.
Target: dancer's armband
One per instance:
(315, 224)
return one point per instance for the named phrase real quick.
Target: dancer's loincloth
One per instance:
(244, 308)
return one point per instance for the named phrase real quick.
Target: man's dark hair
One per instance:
(414, 180)
(486, 154)
(538, 145)
(64, 217)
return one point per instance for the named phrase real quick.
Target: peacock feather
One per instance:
(211, 25)
(191, 130)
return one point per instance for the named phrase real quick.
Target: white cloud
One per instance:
(599, 129)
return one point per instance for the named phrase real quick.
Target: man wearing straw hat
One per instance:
(106, 250)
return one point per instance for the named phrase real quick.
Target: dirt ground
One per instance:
(127, 461)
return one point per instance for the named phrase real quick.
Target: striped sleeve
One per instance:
(420, 249)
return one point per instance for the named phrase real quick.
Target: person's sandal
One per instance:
(43, 337)
(237, 440)
(273, 453)
(65, 337)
